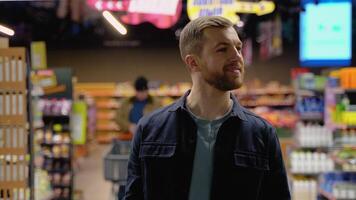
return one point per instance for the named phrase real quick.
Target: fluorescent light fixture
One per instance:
(6, 30)
(114, 22)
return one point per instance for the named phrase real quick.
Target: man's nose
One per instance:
(236, 54)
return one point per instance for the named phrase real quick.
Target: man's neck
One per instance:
(208, 102)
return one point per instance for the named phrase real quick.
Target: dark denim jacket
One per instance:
(248, 163)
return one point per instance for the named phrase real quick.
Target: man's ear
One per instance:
(192, 62)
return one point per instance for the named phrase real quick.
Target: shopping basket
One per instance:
(116, 160)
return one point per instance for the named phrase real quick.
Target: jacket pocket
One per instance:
(157, 150)
(253, 161)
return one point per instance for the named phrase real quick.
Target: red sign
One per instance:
(161, 13)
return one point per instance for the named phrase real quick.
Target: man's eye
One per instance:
(222, 49)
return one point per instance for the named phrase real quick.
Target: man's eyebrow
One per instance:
(226, 43)
(221, 43)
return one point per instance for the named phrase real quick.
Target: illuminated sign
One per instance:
(325, 39)
(227, 8)
(161, 13)
(162, 7)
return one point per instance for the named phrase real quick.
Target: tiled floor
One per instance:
(89, 177)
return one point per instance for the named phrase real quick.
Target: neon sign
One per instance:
(161, 13)
(227, 8)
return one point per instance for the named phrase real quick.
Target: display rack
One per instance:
(325, 140)
(52, 103)
(14, 165)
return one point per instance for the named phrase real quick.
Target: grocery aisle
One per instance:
(89, 178)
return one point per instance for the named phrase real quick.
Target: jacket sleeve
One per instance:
(134, 186)
(275, 183)
(122, 116)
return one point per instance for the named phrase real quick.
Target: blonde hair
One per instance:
(191, 37)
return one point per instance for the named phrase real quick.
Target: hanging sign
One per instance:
(38, 55)
(161, 13)
(227, 8)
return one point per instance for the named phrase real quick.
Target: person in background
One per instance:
(132, 109)
(206, 146)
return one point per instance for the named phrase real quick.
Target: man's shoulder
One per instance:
(256, 120)
(158, 116)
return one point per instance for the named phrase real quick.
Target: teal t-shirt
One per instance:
(204, 154)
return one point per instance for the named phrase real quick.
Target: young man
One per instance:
(206, 146)
(132, 109)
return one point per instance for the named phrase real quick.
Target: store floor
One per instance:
(89, 176)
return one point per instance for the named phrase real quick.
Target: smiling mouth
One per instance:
(234, 68)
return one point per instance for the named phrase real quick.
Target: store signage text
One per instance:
(162, 7)
(227, 8)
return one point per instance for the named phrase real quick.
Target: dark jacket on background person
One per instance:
(248, 164)
(123, 112)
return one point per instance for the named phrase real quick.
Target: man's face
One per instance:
(220, 61)
(141, 95)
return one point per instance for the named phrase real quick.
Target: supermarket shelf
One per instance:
(53, 143)
(105, 94)
(326, 194)
(319, 148)
(62, 198)
(61, 171)
(312, 116)
(108, 138)
(103, 129)
(351, 126)
(339, 161)
(55, 116)
(312, 89)
(61, 186)
(314, 174)
(282, 104)
(350, 90)
(58, 158)
(306, 92)
(263, 91)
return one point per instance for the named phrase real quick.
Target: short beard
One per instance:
(222, 83)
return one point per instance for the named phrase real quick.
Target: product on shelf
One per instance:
(279, 118)
(346, 158)
(53, 146)
(310, 107)
(42, 185)
(348, 78)
(345, 137)
(310, 163)
(55, 107)
(338, 185)
(310, 81)
(304, 190)
(314, 135)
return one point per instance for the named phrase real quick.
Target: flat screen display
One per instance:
(325, 33)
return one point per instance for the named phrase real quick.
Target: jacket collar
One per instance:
(237, 109)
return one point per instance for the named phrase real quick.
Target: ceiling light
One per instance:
(7, 31)
(114, 22)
